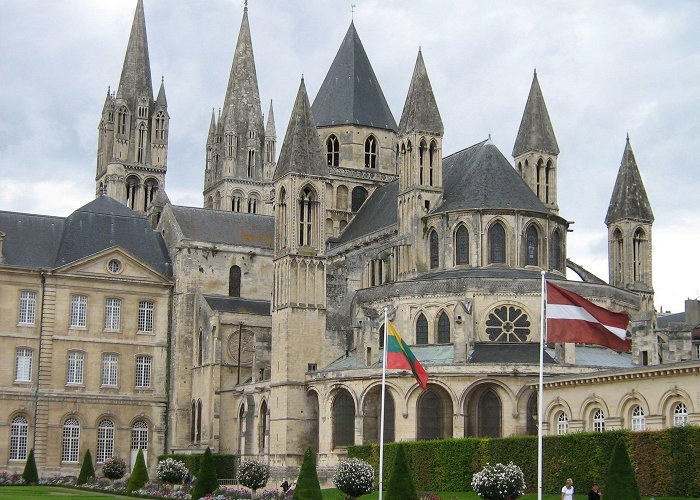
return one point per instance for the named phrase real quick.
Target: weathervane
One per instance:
(352, 11)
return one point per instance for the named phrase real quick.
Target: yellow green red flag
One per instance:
(399, 356)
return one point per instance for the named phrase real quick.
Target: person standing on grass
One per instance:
(567, 492)
(595, 493)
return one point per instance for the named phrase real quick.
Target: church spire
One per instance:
(629, 199)
(536, 132)
(135, 81)
(420, 112)
(161, 100)
(270, 127)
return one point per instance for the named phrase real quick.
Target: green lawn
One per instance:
(46, 492)
(446, 495)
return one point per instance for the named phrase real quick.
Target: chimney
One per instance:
(692, 307)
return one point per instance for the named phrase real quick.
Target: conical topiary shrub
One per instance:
(620, 481)
(139, 476)
(30, 474)
(308, 487)
(401, 483)
(87, 471)
(206, 477)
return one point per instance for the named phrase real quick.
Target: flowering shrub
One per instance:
(160, 491)
(236, 493)
(114, 468)
(354, 477)
(10, 478)
(59, 481)
(253, 474)
(171, 471)
(499, 482)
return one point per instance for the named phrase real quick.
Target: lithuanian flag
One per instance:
(399, 356)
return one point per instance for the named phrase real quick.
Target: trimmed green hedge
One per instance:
(667, 463)
(225, 465)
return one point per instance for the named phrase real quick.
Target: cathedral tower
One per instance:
(235, 178)
(536, 149)
(629, 220)
(132, 147)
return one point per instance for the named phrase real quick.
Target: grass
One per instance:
(461, 495)
(46, 492)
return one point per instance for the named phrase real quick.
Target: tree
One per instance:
(30, 474)
(114, 468)
(401, 483)
(354, 477)
(499, 482)
(308, 487)
(206, 477)
(620, 481)
(139, 476)
(87, 471)
(253, 474)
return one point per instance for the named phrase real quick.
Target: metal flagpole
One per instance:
(540, 394)
(381, 428)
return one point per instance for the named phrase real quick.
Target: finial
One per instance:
(535, 72)
(109, 89)
(628, 137)
(162, 79)
(352, 11)
(245, 5)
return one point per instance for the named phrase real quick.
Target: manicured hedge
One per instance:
(225, 465)
(667, 463)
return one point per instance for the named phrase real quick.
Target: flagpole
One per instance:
(540, 392)
(381, 428)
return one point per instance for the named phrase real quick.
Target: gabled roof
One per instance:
(535, 132)
(351, 93)
(301, 150)
(135, 80)
(420, 112)
(377, 212)
(629, 199)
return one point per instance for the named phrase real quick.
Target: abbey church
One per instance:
(254, 325)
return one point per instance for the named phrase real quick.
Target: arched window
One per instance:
(421, 329)
(443, 329)
(461, 246)
(200, 348)
(139, 436)
(359, 195)
(341, 198)
(489, 414)
(381, 336)
(140, 150)
(306, 202)
(371, 152)
(617, 251)
(262, 431)
(282, 218)
(70, 451)
(132, 186)
(199, 420)
(160, 126)
(638, 419)
(371, 412)
(122, 115)
(251, 162)
(150, 188)
(680, 415)
(434, 250)
(533, 246)
(497, 244)
(422, 147)
(598, 421)
(105, 441)
(548, 170)
(562, 423)
(430, 416)
(539, 173)
(638, 254)
(532, 418)
(343, 420)
(333, 151)
(193, 422)
(432, 166)
(234, 281)
(241, 430)
(19, 438)
(253, 204)
(555, 251)
(236, 201)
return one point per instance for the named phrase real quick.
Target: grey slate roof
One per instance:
(666, 320)
(629, 199)
(232, 228)
(420, 112)
(135, 80)
(600, 356)
(301, 150)
(495, 352)
(161, 100)
(238, 305)
(31, 241)
(489, 272)
(427, 354)
(351, 93)
(535, 132)
(378, 212)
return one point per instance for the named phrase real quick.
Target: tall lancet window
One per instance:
(432, 166)
(140, 158)
(333, 151)
(497, 244)
(121, 120)
(251, 162)
(548, 172)
(229, 145)
(434, 250)
(160, 126)
(539, 171)
(533, 245)
(371, 152)
(306, 206)
(617, 256)
(555, 250)
(461, 246)
(638, 254)
(421, 161)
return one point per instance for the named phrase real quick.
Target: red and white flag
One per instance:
(571, 318)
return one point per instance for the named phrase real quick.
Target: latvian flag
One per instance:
(571, 318)
(399, 356)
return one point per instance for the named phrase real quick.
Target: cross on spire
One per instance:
(352, 11)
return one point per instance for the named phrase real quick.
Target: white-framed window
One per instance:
(71, 441)
(639, 422)
(562, 423)
(23, 365)
(139, 436)
(146, 316)
(76, 364)
(105, 441)
(19, 438)
(143, 371)
(680, 415)
(27, 307)
(113, 309)
(598, 421)
(78, 311)
(110, 369)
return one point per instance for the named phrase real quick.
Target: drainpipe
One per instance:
(38, 365)
(240, 336)
(169, 358)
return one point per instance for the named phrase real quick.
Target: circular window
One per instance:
(114, 266)
(508, 324)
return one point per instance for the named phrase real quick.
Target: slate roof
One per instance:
(489, 272)
(301, 150)
(218, 226)
(378, 212)
(496, 352)
(238, 305)
(427, 354)
(135, 80)
(600, 356)
(666, 320)
(350, 92)
(535, 132)
(629, 199)
(420, 112)
(39, 241)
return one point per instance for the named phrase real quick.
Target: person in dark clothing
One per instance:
(595, 493)
(284, 486)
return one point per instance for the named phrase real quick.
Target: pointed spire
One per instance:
(535, 132)
(161, 99)
(629, 199)
(212, 124)
(301, 149)
(270, 128)
(135, 81)
(108, 100)
(420, 112)
(350, 93)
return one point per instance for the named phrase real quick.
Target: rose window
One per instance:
(508, 324)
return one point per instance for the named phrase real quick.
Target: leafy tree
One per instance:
(87, 471)
(30, 474)
(206, 477)
(354, 477)
(401, 483)
(139, 476)
(308, 487)
(253, 474)
(620, 481)
(114, 468)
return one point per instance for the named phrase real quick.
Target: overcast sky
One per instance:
(605, 68)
